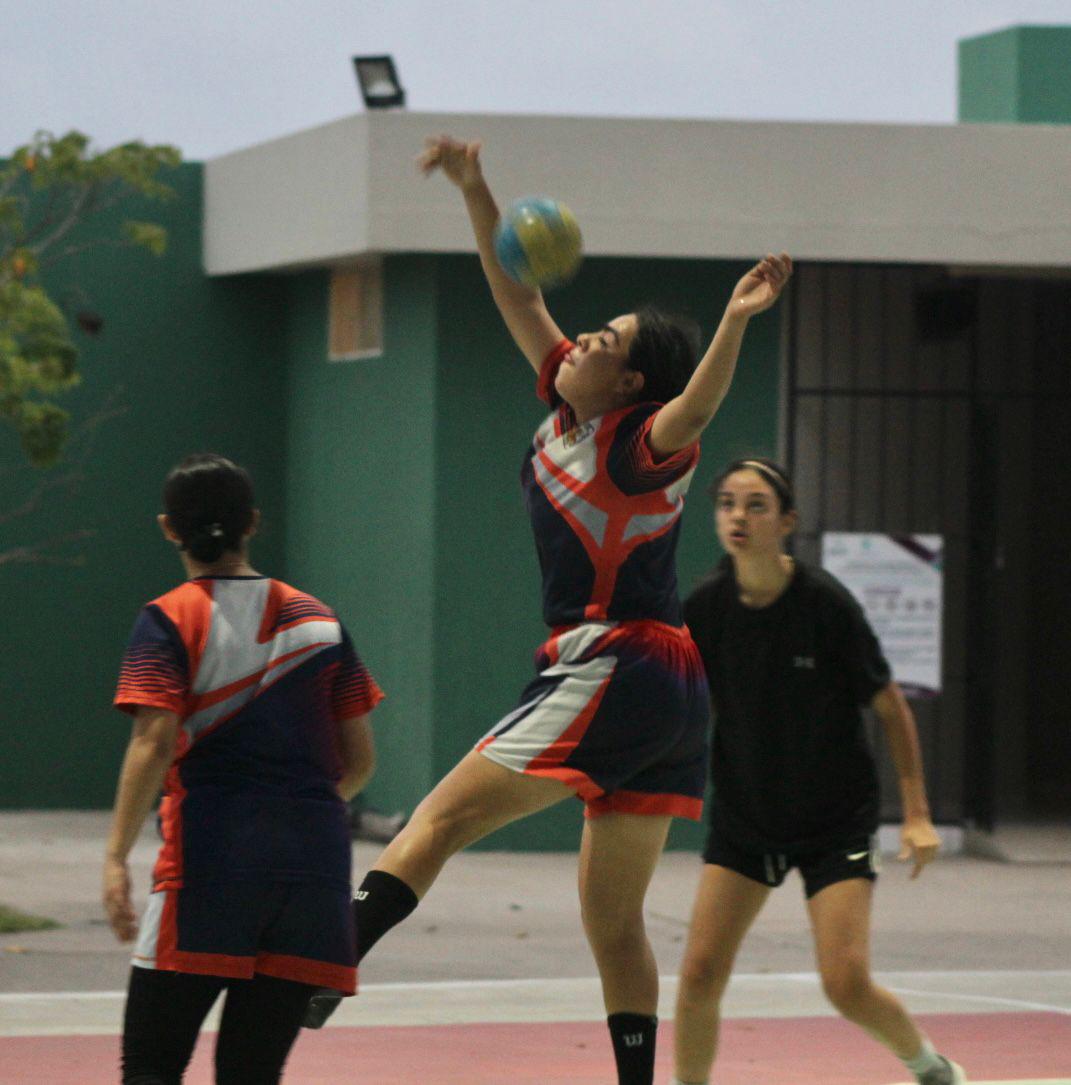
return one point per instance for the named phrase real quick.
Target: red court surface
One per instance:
(1013, 1047)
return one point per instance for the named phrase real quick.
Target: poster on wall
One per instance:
(899, 582)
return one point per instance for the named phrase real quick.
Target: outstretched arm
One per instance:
(682, 420)
(522, 307)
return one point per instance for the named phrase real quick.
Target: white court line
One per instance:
(992, 999)
(537, 984)
(544, 1000)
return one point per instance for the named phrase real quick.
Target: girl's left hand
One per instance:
(761, 286)
(919, 843)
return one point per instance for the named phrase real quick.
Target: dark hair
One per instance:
(209, 501)
(771, 472)
(665, 350)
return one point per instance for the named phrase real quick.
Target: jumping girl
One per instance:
(617, 712)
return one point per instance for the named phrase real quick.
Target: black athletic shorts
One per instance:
(854, 857)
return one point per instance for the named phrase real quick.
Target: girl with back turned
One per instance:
(250, 708)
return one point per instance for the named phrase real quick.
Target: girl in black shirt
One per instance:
(790, 659)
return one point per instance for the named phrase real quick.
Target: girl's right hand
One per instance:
(761, 286)
(117, 905)
(460, 161)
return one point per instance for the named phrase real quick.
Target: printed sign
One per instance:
(899, 582)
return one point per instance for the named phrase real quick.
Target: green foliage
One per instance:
(148, 235)
(13, 921)
(37, 361)
(49, 188)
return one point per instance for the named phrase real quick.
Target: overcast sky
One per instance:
(215, 75)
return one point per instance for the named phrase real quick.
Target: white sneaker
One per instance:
(949, 1074)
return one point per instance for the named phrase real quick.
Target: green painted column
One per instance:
(360, 504)
(1021, 75)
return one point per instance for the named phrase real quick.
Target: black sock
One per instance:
(633, 1036)
(382, 902)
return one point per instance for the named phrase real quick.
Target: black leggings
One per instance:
(165, 1010)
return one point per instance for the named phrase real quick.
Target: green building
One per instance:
(321, 317)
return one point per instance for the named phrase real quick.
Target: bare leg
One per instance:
(618, 855)
(840, 918)
(726, 905)
(476, 797)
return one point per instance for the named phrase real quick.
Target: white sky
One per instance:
(215, 75)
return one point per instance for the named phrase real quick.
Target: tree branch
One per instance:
(74, 250)
(48, 216)
(33, 502)
(84, 435)
(109, 409)
(10, 181)
(37, 553)
(72, 219)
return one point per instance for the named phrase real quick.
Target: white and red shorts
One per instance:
(619, 711)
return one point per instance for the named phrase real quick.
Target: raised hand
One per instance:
(761, 286)
(459, 161)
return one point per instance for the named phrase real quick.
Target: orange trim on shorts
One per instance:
(584, 786)
(303, 970)
(299, 969)
(209, 964)
(550, 647)
(167, 935)
(645, 802)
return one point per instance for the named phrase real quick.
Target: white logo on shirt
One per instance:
(577, 434)
(805, 662)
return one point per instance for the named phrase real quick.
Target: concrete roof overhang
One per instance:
(974, 195)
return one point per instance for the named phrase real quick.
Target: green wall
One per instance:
(195, 364)
(370, 474)
(360, 508)
(1017, 75)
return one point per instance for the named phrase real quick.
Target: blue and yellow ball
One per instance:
(537, 242)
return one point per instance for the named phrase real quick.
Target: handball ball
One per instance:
(537, 242)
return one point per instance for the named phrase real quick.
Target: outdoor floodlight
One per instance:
(379, 82)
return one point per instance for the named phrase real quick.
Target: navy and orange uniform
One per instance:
(794, 778)
(618, 709)
(254, 871)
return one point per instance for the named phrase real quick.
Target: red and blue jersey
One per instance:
(605, 513)
(258, 673)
